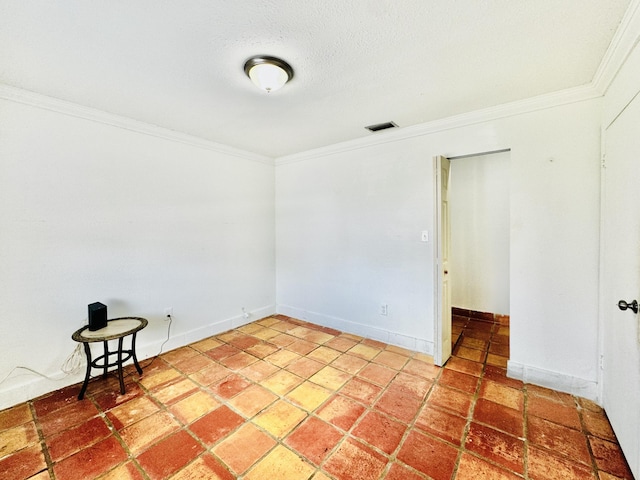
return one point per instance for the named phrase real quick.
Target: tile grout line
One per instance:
(585, 432)
(467, 427)
(42, 440)
(463, 448)
(116, 433)
(525, 429)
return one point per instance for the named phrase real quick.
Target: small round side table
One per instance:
(116, 329)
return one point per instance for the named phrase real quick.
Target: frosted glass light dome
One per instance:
(268, 73)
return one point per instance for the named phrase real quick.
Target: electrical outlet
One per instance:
(245, 314)
(384, 309)
(168, 312)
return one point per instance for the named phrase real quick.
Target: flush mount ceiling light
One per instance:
(268, 73)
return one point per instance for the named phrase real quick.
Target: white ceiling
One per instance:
(179, 63)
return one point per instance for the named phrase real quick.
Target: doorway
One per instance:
(479, 218)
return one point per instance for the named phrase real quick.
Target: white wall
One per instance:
(91, 212)
(348, 228)
(480, 231)
(348, 240)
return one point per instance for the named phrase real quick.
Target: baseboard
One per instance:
(554, 380)
(22, 386)
(196, 334)
(355, 328)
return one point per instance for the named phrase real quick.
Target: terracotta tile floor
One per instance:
(286, 400)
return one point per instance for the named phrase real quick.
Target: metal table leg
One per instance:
(120, 365)
(87, 351)
(133, 353)
(106, 358)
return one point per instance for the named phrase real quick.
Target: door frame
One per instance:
(437, 241)
(441, 345)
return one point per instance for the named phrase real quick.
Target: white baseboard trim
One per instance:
(367, 331)
(23, 385)
(554, 380)
(196, 334)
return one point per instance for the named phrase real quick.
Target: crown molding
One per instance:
(64, 107)
(624, 40)
(541, 102)
(622, 44)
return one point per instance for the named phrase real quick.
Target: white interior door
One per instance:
(442, 344)
(621, 280)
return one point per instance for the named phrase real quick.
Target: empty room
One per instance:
(303, 240)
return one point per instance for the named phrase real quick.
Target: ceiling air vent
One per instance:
(381, 126)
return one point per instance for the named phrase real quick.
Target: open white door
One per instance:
(621, 280)
(442, 301)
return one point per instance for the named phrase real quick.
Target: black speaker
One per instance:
(97, 316)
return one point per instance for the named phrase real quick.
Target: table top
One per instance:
(116, 328)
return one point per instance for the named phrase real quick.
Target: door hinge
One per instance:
(603, 161)
(601, 362)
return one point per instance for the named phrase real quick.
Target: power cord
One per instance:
(163, 343)
(70, 366)
(74, 362)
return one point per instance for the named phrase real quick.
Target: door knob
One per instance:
(622, 305)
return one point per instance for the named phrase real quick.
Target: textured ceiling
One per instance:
(179, 64)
